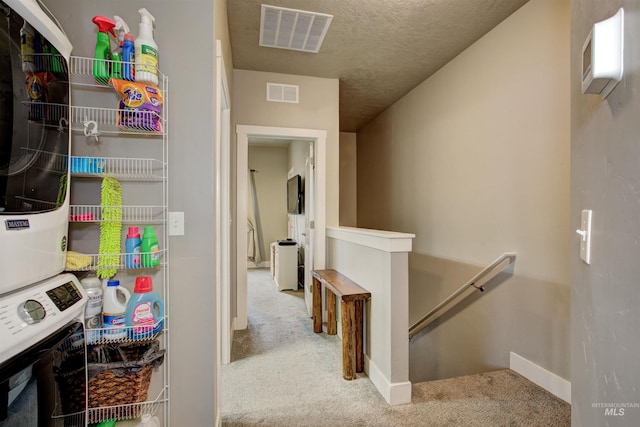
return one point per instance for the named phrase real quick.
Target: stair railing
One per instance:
(476, 283)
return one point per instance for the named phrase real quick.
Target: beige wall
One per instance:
(348, 179)
(318, 109)
(271, 183)
(475, 162)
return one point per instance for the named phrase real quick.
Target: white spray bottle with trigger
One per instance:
(125, 48)
(146, 50)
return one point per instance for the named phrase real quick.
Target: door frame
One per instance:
(243, 133)
(223, 210)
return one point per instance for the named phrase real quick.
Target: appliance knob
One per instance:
(31, 311)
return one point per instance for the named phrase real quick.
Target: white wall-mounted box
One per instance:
(602, 56)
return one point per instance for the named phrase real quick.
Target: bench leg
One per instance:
(332, 327)
(359, 325)
(317, 306)
(348, 344)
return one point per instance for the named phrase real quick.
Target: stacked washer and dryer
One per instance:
(41, 310)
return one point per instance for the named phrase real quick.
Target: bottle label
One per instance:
(113, 323)
(143, 320)
(94, 305)
(155, 255)
(148, 60)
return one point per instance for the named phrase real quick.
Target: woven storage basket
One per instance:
(120, 374)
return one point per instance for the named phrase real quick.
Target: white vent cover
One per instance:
(277, 92)
(293, 29)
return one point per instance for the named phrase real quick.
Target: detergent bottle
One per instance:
(102, 52)
(145, 310)
(146, 50)
(132, 246)
(149, 247)
(114, 310)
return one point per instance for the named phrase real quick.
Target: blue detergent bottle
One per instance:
(144, 317)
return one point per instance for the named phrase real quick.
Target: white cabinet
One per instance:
(284, 266)
(117, 143)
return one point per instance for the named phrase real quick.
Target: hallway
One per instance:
(282, 374)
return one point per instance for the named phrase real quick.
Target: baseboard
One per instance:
(393, 393)
(549, 381)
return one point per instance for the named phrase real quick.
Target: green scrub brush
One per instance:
(110, 228)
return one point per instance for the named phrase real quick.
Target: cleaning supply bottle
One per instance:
(149, 248)
(145, 310)
(146, 420)
(114, 310)
(27, 48)
(117, 65)
(128, 58)
(146, 50)
(132, 244)
(93, 309)
(102, 52)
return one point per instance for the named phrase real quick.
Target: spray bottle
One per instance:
(146, 50)
(100, 68)
(121, 28)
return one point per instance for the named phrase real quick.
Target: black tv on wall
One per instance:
(294, 195)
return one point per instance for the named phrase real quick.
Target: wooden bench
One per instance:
(352, 298)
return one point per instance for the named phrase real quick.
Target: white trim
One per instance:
(549, 381)
(393, 393)
(387, 241)
(243, 132)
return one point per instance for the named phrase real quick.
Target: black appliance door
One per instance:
(45, 385)
(34, 112)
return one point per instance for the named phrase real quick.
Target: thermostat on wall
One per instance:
(602, 57)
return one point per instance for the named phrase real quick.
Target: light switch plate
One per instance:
(585, 236)
(176, 223)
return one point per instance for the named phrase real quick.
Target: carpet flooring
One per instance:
(283, 374)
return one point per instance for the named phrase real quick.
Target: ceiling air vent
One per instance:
(293, 29)
(277, 92)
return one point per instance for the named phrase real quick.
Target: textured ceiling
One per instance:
(378, 49)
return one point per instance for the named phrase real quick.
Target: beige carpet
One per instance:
(282, 374)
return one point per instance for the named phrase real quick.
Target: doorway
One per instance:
(315, 235)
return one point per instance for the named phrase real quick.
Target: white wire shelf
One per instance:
(126, 334)
(91, 262)
(130, 214)
(82, 72)
(49, 112)
(95, 121)
(118, 167)
(129, 411)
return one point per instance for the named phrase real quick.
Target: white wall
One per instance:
(475, 162)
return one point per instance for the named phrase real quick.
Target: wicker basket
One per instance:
(120, 374)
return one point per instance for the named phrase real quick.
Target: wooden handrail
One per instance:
(475, 283)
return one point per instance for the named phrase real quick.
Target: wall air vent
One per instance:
(293, 29)
(277, 92)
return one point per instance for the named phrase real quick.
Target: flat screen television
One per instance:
(294, 195)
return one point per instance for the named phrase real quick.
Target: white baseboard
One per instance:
(549, 381)
(393, 393)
